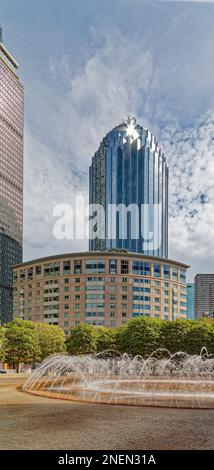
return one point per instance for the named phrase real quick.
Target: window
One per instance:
(182, 276)
(21, 275)
(95, 296)
(112, 288)
(140, 267)
(166, 284)
(157, 283)
(77, 297)
(157, 307)
(124, 266)
(156, 291)
(65, 315)
(94, 287)
(166, 271)
(66, 306)
(141, 297)
(66, 297)
(112, 266)
(157, 270)
(66, 323)
(123, 314)
(124, 279)
(66, 267)
(77, 279)
(66, 280)
(52, 269)
(66, 289)
(95, 266)
(166, 292)
(124, 288)
(77, 267)
(112, 314)
(174, 274)
(38, 270)
(30, 274)
(124, 297)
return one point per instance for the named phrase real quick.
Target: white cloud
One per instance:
(190, 154)
(122, 76)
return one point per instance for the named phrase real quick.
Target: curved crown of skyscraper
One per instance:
(128, 180)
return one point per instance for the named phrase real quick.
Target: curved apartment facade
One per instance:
(129, 171)
(99, 288)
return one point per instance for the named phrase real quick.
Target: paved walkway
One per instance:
(30, 422)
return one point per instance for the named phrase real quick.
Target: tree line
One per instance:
(28, 342)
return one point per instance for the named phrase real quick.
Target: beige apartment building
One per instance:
(99, 288)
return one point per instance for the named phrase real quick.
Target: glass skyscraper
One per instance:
(129, 171)
(11, 176)
(190, 301)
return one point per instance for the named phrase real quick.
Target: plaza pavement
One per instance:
(30, 422)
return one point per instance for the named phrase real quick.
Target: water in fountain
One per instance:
(162, 379)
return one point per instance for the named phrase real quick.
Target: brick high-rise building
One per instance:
(11, 176)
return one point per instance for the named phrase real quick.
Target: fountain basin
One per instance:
(179, 381)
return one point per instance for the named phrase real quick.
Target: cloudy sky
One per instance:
(87, 63)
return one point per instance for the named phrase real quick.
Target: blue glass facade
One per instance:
(190, 302)
(129, 169)
(10, 254)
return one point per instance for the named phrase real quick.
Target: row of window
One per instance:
(142, 268)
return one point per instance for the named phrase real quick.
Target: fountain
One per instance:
(162, 379)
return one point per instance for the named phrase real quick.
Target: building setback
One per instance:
(204, 294)
(99, 288)
(11, 176)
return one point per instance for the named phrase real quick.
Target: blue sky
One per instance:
(87, 63)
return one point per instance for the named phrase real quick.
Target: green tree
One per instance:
(201, 334)
(2, 344)
(106, 338)
(82, 340)
(173, 334)
(22, 343)
(51, 339)
(139, 336)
